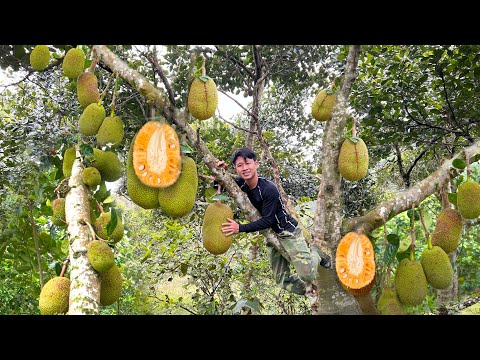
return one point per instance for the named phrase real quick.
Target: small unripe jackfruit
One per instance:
(101, 227)
(87, 89)
(68, 160)
(40, 57)
(202, 98)
(108, 163)
(73, 63)
(91, 119)
(323, 105)
(448, 230)
(389, 304)
(91, 177)
(54, 296)
(214, 240)
(110, 132)
(100, 255)
(437, 267)
(110, 286)
(353, 159)
(58, 207)
(468, 199)
(410, 282)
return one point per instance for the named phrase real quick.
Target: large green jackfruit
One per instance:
(68, 160)
(101, 227)
(410, 282)
(178, 199)
(91, 177)
(389, 304)
(110, 286)
(437, 267)
(108, 163)
(202, 99)
(142, 195)
(468, 199)
(322, 105)
(100, 255)
(91, 119)
(73, 63)
(87, 89)
(58, 207)
(40, 57)
(54, 296)
(353, 159)
(110, 132)
(448, 230)
(214, 240)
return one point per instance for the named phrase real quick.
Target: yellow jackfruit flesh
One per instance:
(100, 255)
(202, 99)
(40, 57)
(468, 199)
(91, 177)
(108, 163)
(448, 230)
(87, 89)
(68, 160)
(91, 119)
(58, 207)
(410, 282)
(323, 105)
(110, 132)
(73, 63)
(54, 296)
(101, 227)
(353, 160)
(110, 286)
(178, 199)
(141, 194)
(437, 267)
(214, 240)
(389, 304)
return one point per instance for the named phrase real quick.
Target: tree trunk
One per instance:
(84, 281)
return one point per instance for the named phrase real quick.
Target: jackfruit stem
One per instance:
(64, 267)
(425, 230)
(468, 165)
(112, 113)
(204, 71)
(412, 230)
(104, 92)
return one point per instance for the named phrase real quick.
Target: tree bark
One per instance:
(84, 281)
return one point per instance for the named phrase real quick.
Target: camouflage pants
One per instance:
(304, 261)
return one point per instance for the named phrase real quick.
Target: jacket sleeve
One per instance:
(268, 213)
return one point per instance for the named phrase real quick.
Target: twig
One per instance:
(64, 267)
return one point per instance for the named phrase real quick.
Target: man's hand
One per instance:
(230, 227)
(221, 164)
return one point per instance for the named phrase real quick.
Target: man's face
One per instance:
(246, 168)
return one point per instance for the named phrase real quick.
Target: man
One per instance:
(265, 197)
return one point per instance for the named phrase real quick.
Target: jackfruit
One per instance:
(73, 63)
(410, 282)
(101, 227)
(353, 159)
(389, 304)
(214, 240)
(448, 230)
(100, 255)
(323, 105)
(437, 267)
(468, 199)
(110, 286)
(110, 132)
(68, 160)
(91, 119)
(142, 195)
(54, 296)
(40, 57)
(178, 199)
(87, 89)
(108, 163)
(202, 98)
(91, 177)
(58, 207)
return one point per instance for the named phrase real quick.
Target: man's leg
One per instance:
(281, 273)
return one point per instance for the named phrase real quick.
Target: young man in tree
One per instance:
(265, 197)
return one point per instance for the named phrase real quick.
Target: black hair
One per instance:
(245, 153)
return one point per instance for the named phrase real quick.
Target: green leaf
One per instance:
(204, 78)
(58, 268)
(452, 198)
(186, 149)
(112, 223)
(393, 239)
(219, 197)
(459, 164)
(183, 268)
(354, 139)
(417, 215)
(254, 305)
(403, 255)
(109, 199)
(86, 150)
(389, 254)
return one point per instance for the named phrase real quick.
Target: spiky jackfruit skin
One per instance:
(73, 63)
(110, 286)
(177, 200)
(54, 296)
(448, 230)
(353, 160)
(100, 255)
(214, 240)
(141, 194)
(322, 105)
(202, 99)
(437, 267)
(68, 160)
(40, 57)
(110, 132)
(91, 119)
(87, 89)
(101, 228)
(389, 304)
(410, 282)
(91, 177)
(58, 207)
(108, 163)
(468, 199)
